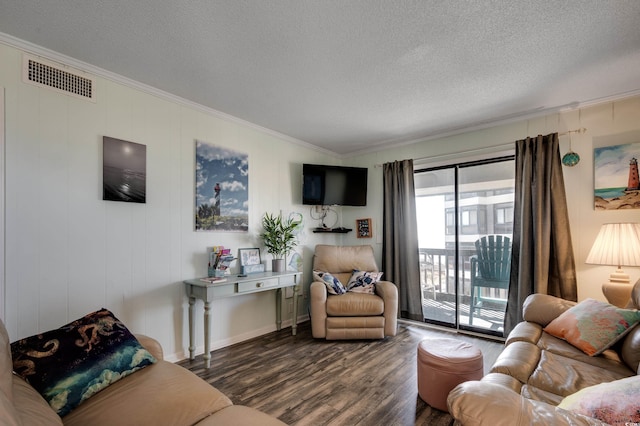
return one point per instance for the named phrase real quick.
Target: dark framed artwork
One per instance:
(363, 228)
(221, 189)
(124, 171)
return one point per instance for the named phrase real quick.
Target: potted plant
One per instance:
(279, 238)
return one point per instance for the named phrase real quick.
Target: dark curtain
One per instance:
(400, 253)
(542, 259)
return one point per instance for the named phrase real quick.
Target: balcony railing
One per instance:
(437, 270)
(438, 283)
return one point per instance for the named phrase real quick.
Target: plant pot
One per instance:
(277, 265)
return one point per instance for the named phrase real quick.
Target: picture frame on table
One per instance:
(249, 256)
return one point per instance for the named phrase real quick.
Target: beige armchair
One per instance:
(351, 315)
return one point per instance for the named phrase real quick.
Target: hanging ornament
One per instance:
(571, 158)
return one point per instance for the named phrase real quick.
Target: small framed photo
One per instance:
(363, 228)
(249, 256)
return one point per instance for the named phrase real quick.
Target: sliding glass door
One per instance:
(465, 221)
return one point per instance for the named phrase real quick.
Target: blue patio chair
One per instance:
(490, 269)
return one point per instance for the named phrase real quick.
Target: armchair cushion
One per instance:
(363, 282)
(355, 305)
(615, 403)
(593, 326)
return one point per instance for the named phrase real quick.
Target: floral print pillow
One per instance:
(615, 403)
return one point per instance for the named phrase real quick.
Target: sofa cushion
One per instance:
(544, 308)
(608, 360)
(8, 414)
(630, 349)
(30, 406)
(239, 415)
(363, 281)
(564, 376)
(532, 392)
(519, 360)
(593, 326)
(70, 364)
(524, 332)
(355, 304)
(615, 403)
(160, 394)
(333, 284)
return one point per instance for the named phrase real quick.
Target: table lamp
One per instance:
(617, 244)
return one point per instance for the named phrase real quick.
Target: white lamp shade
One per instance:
(617, 244)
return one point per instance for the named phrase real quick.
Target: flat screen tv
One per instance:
(334, 185)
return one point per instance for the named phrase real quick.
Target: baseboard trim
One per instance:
(223, 343)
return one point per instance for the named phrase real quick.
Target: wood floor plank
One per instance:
(306, 381)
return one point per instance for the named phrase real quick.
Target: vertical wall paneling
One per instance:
(68, 252)
(2, 223)
(50, 196)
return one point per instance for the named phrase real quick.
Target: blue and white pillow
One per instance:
(334, 286)
(363, 282)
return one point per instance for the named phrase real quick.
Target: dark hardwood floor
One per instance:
(306, 381)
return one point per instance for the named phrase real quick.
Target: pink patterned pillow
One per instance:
(615, 403)
(593, 326)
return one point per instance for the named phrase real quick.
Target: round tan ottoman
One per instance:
(442, 365)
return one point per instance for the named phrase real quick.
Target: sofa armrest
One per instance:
(152, 345)
(318, 307)
(543, 308)
(468, 404)
(389, 293)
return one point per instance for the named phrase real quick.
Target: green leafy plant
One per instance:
(278, 234)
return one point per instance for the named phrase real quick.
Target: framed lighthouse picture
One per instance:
(221, 189)
(616, 183)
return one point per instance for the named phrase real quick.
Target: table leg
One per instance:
(192, 344)
(294, 317)
(207, 333)
(278, 309)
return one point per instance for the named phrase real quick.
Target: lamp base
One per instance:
(618, 294)
(619, 276)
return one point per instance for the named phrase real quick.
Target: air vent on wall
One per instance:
(60, 78)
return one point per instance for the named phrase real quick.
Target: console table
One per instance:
(235, 285)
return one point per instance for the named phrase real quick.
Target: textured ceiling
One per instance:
(353, 76)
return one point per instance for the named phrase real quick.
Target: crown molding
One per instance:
(65, 60)
(500, 121)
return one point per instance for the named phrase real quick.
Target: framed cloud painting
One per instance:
(616, 177)
(222, 189)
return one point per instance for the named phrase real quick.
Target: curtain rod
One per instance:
(580, 130)
(486, 148)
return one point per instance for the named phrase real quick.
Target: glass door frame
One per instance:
(456, 166)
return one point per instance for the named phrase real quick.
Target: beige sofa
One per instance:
(536, 371)
(351, 315)
(160, 394)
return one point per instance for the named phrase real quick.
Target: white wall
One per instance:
(68, 252)
(609, 123)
